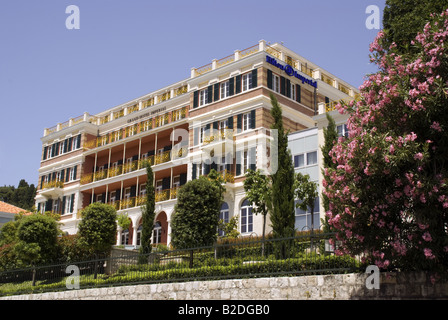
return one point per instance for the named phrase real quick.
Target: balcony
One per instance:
(128, 203)
(134, 165)
(218, 135)
(52, 189)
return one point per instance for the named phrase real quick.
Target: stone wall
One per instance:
(315, 287)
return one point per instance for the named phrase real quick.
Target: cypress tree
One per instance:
(282, 216)
(148, 215)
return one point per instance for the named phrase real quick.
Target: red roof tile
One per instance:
(6, 207)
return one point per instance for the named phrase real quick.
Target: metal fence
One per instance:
(231, 258)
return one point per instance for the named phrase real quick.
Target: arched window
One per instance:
(157, 233)
(246, 217)
(224, 216)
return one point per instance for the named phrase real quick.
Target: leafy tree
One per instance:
(195, 220)
(282, 216)
(306, 192)
(98, 227)
(388, 191)
(22, 196)
(230, 229)
(37, 239)
(402, 20)
(259, 192)
(148, 215)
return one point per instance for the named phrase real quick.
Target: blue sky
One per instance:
(125, 49)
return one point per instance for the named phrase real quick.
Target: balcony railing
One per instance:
(132, 202)
(134, 165)
(53, 184)
(218, 135)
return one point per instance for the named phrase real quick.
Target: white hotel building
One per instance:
(220, 119)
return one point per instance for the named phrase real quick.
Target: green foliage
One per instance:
(36, 239)
(306, 191)
(22, 196)
(402, 20)
(282, 216)
(195, 220)
(230, 229)
(123, 221)
(259, 192)
(98, 227)
(148, 213)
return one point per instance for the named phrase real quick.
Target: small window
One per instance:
(299, 161)
(203, 97)
(275, 83)
(342, 130)
(224, 216)
(225, 89)
(247, 81)
(311, 158)
(246, 121)
(157, 233)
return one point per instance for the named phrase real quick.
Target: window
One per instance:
(224, 216)
(246, 121)
(225, 86)
(305, 159)
(246, 217)
(176, 182)
(203, 97)
(113, 197)
(247, 81)
(159, 185)
(275, 83)
(56, 206)
(304, 219)
(342, 130)
(125, 237)
(69, 203)
(142, 189)
(293, 91)
(139, 235)
(99, 198)
(157, 233)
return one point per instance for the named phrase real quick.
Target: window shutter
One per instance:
(195, 99)
(196, 136)
(239, 122)
(253, 158)
(44, 157)
(49, 205)
(327, 100)
(42, 181)
(67, 174)
(72, 203)
(252, 119)
(65, 145)
(183, 179)
(231, 86)
(62, 175)
(298, 93)
(269, 79)
(282, 86)
(193, 173)
(70, 141)
(78, 142)
(117, 194)
(254, 78)
(238, 163)
(133, 192)
(215, 125)
(206, 168)
(216, 92)
(237, 84)
(288, 88)
(74, 172)
(210, 94)
(64, 198)
(230, 122)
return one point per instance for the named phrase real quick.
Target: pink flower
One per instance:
(428, 253)
(427, 236)
(436, 126)
(418, 156)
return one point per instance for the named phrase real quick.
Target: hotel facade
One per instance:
(218, 118)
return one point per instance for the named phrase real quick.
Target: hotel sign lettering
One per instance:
(290, 71)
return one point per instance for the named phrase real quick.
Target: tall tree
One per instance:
(282, 216)
(148, 213)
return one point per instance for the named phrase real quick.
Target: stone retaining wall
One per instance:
(314, 287)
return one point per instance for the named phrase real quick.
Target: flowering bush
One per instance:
(388, 193)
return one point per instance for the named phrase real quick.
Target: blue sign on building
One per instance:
(290, 71)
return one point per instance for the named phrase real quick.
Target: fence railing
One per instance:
(231, 258)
